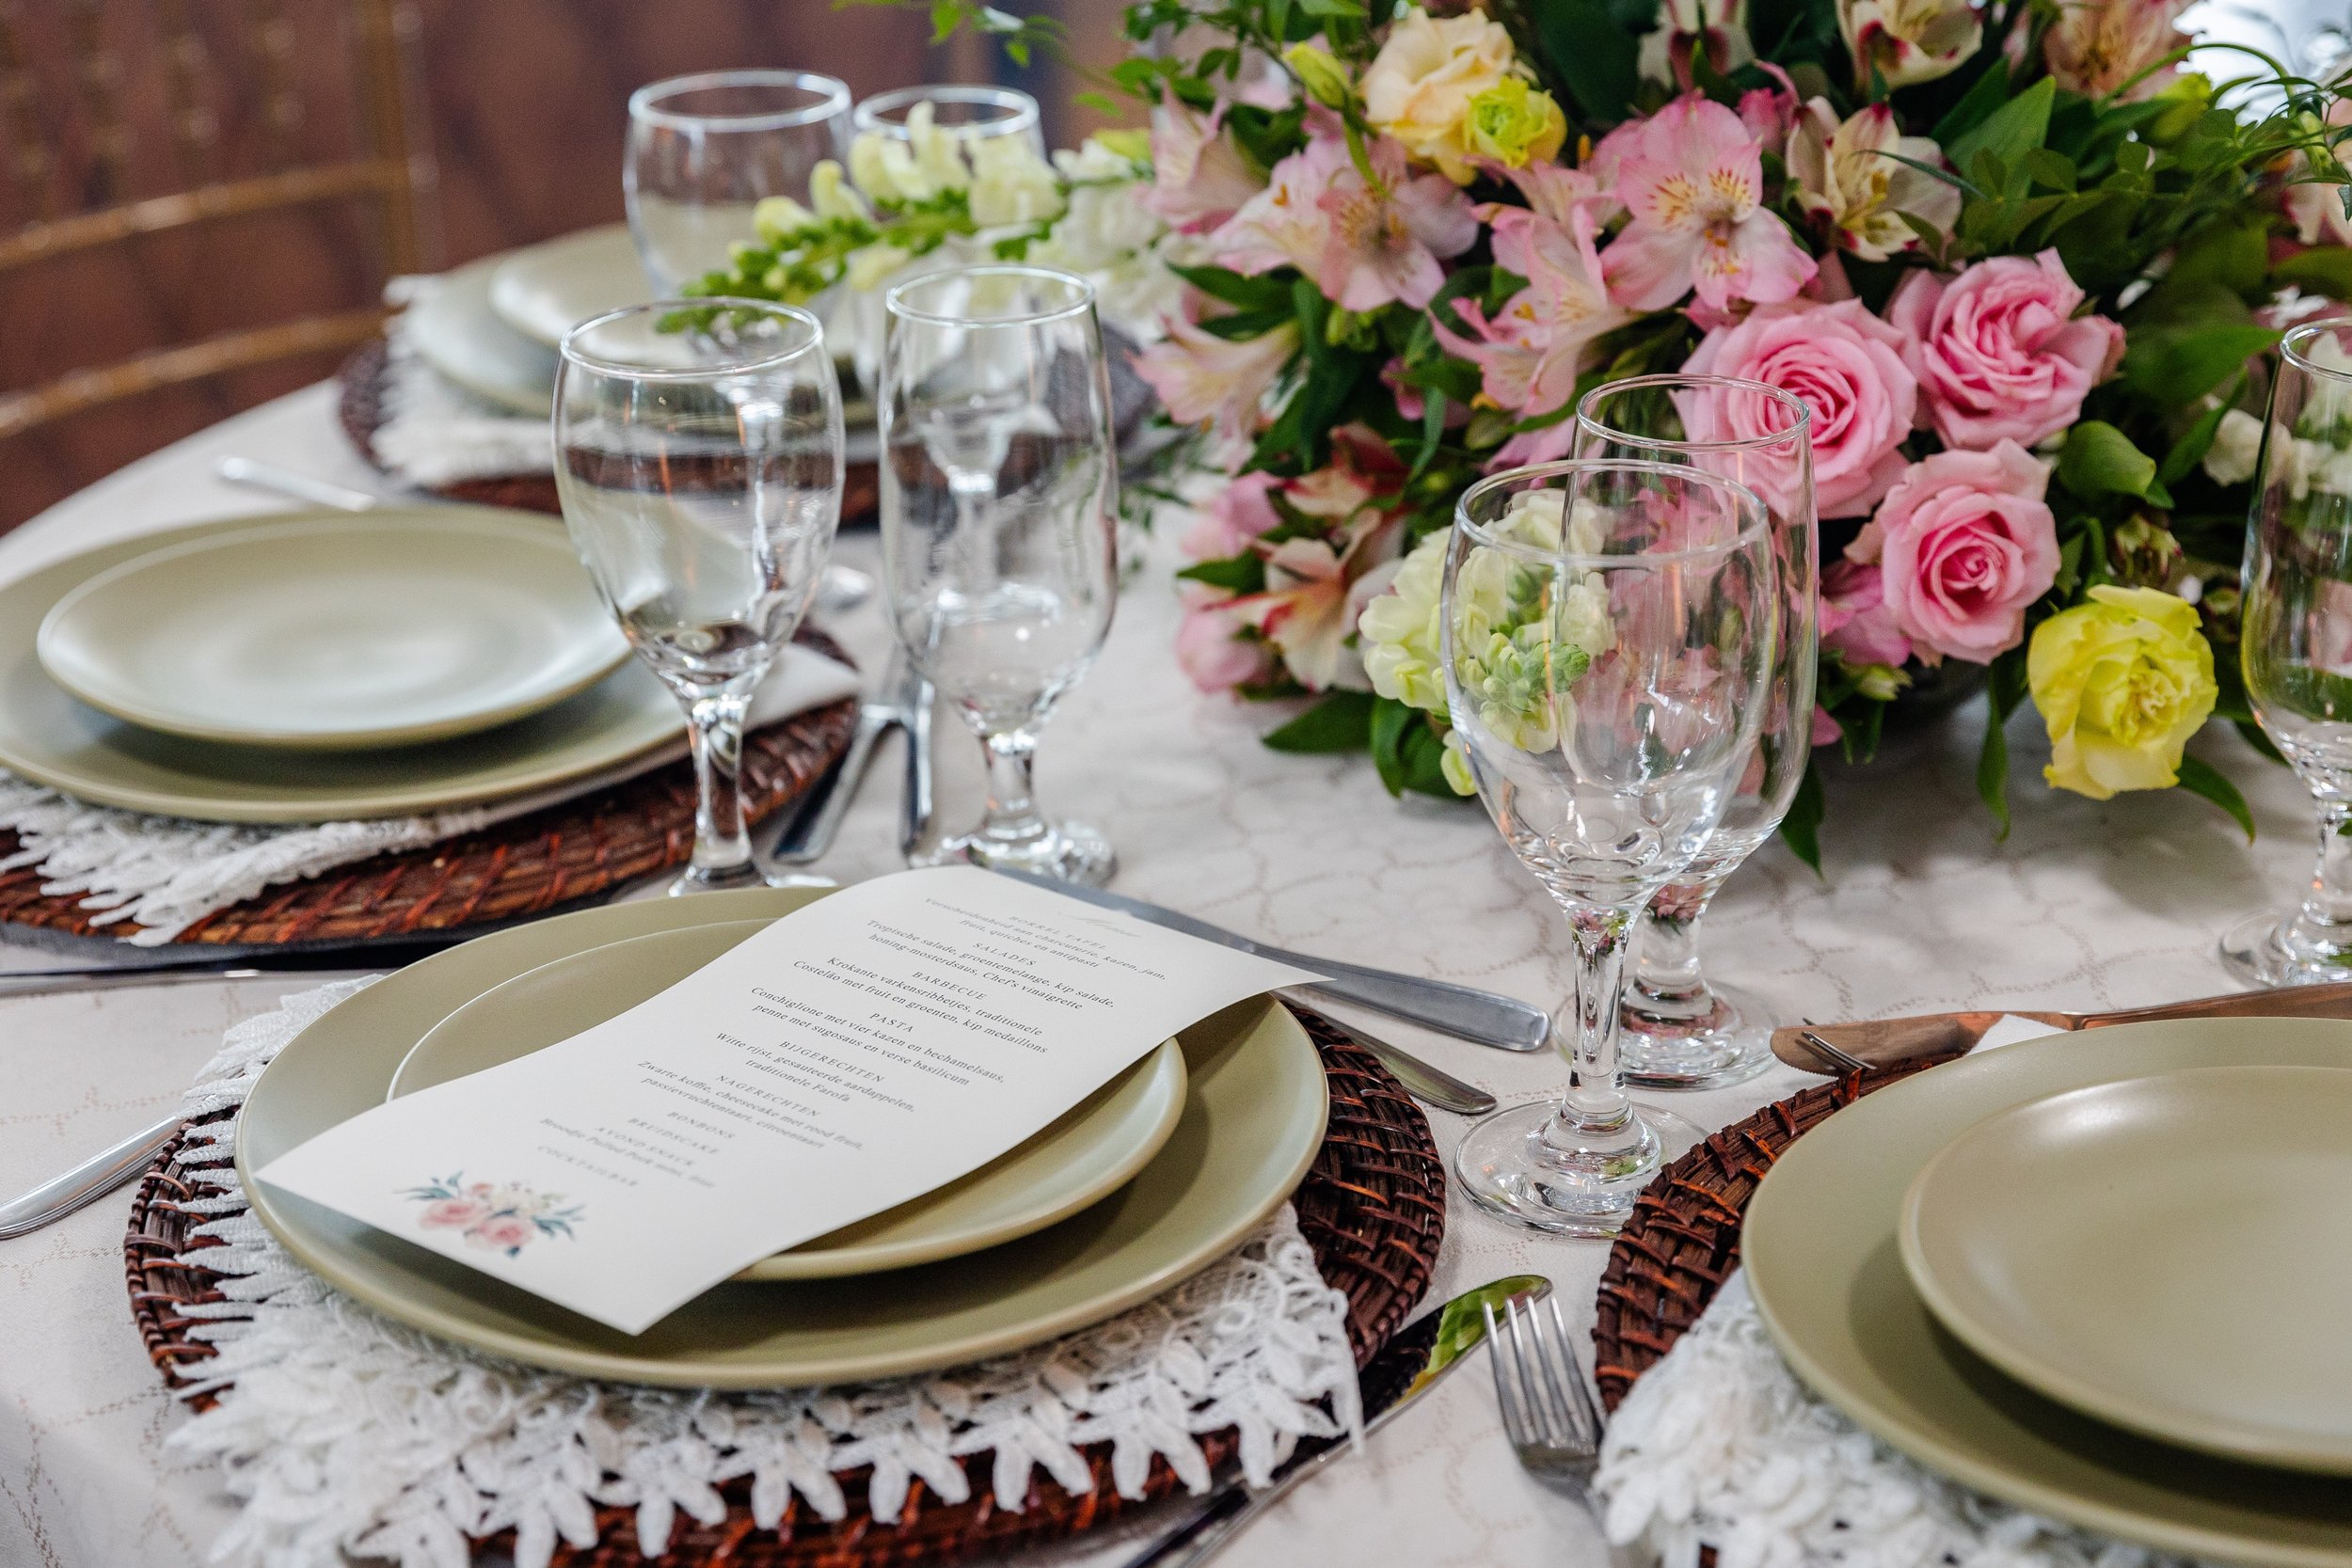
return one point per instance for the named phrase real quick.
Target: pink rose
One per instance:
(1965, 545)
(1999, 352)
(501, 1233)
(452, 1214)
(1233, 522)
(1209, 649)
(1855, 622)
(1848, 367)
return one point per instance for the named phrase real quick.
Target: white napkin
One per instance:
(2009, 1029)
(164, 874)
(436, 432)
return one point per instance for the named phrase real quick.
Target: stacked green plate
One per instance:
(1824, 1250)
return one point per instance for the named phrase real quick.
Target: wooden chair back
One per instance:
(130, 125)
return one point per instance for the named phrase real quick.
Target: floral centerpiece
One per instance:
(2021, 262)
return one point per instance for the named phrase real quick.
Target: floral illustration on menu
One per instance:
(495, 1217)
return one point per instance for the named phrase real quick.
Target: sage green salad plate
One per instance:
(2102, 1247)
(52, 739)
(542, 291)
(1253, 1118)
(453, 329)
(1824, 1263)
(1086, 1153)
(337, 633)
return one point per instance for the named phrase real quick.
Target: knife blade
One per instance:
(812, 829)
(1407, 1368)
(1428, 1083)
(1479, 1016)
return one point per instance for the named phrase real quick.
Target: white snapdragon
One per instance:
(1011, 184)
(1112, 237)
(2236, 448)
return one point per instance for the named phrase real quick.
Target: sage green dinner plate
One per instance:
(1086, 1153)
(1825, 1267)
(1254, 1112)
(2102, 1247)
(49, 738)
(544, 291)
(454, 331)
(342, 633)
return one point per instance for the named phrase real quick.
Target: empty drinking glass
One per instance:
(998, 505)
(1680, 1030)
(973, 114)
(700, 471)
(2295, 644)
(1609, 634)
(705, 150)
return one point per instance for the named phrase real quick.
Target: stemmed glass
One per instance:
(700, 471)
(974, 113)
(2295, 644)
(705, 150)
(1681, 1030)
(1608, 632)
(998, 504)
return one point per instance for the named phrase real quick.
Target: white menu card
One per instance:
(861, 1052)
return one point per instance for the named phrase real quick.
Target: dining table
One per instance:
(1920, 906)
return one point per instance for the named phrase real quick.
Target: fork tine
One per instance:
(1545, 1418)
(1588, 1414)
(1549, 1350)
(1503, 1360)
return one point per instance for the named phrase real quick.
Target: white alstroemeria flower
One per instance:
(1843, 173)
(1011, 184)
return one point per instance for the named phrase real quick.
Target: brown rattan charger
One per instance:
(574, 850)
(1373, 1207)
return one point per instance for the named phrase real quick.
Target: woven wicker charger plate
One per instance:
(1373, 1207)
(531, 866)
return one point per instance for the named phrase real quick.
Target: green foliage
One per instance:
(2003, 688)
(2099, 460)
(1408, 750)
(2203, 779)
(1342, 721)
(1801, 830)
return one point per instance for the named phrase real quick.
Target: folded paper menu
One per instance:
(868, 1049)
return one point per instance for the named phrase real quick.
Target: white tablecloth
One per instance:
(2085, 906)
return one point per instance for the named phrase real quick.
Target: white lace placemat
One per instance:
(436, 431)
(341, 1431)
(1719, 1445)
(163, 874)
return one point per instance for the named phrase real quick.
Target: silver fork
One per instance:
(1550, 1416)
(1846, 1060)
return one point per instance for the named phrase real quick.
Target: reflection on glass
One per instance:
(705, 150)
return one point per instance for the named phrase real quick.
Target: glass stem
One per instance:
(1666, 974)
(2324, 920)
(723, 846)
(1587, 1029)
(1013, 816)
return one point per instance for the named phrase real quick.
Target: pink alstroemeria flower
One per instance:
(1529, 355)
(1202, 378)
(1198, 177)
(1693, 180)
(1315, 586)
(1364, 244)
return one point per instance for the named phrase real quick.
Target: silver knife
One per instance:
(1407, 1368)
(1431, 1085)
(812, 829)
(93, 1178)
(1479, 1016)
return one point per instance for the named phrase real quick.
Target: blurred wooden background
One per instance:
(520, 104)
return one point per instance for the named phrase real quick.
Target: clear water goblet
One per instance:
(971, 113)
(1679, 1029)
(1609, 631)
(700, 471)
(2295, 644)
(999, 501)
(705, 150)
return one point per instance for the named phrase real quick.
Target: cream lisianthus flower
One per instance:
(2122, 681)
(1421, 86)
(1908, 41)
(1843, 174)
(1399, 632)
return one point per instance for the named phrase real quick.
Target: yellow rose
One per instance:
(2122, 682)
(1515, 124)
(1420, 86)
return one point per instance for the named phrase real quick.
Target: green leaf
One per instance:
(2174, 366)
(2100, 460)
(1801, 830)
(2003, 688)
(2009, 132)
(1390, 721)
(2199, 778)
(2232, 255)
(2323, 269)
(1262, 293)
(1341, 723)
(2252, 735)
(1597, 60)
(1975, 106)
(1240, 574)
(2194, 443)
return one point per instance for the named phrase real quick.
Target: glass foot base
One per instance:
(2260, 951)
(1507, 1170)
(1728, 1042)
(694, 880)
(1066, 851)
